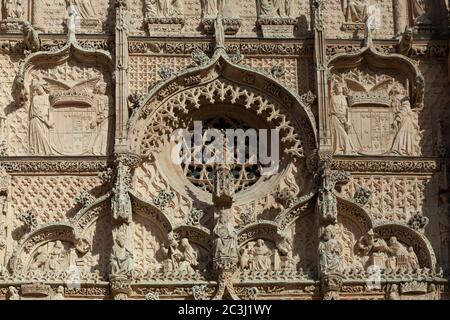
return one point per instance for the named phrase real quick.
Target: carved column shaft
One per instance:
(122, 64)
(321, 76)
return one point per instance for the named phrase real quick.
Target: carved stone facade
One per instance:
(94, 206)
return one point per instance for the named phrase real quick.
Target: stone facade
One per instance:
(93, 207)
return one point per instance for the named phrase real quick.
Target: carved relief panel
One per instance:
(71, 111)
(371, 114)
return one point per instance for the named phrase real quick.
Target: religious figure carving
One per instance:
(172, 255)
(339, 118)
(285, 246)
(262, 256)
(121, 257)
(50, 257)
(12, 9)
(164, 8)
(355, 10)
(84, 8)
(180, 257)
(408, 135)
(226, 238)
(39, 121)
(99, 144)
(330, 251)
(421, 11)
(387, 255)
(210, 8)
(274, 8)
(121, 201)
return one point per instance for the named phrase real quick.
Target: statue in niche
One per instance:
(421, 11)
(407, 137)
(339, 120)
(163, 8)
(226, 237)
(99, 144)
(210, 8)
(262, 256)
(355, 10)
(84, 8)
(121, 257)
(39, 121)
(12, 9)
(330, 251)
(274, 8)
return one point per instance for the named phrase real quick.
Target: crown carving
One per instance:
(414, 287)
(361, 98)
(71, 97)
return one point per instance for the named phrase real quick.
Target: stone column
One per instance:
(122, 66)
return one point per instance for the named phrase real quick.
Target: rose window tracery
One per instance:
(245, 174)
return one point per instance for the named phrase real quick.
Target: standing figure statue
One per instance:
(100, 142)
(121, 257)
(330, 251)
(210, 8)
(340, 124)
(85, 8)
(406, 142)
(420, 11)
(355, 10)
(39, 122)
(226, 246)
